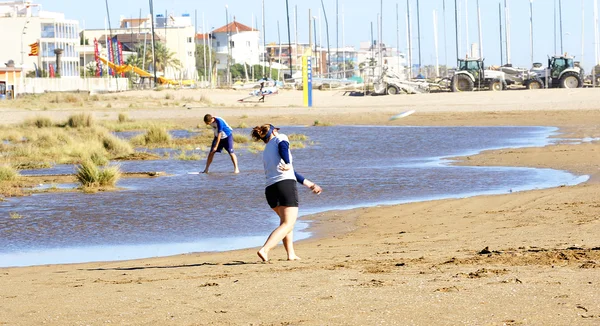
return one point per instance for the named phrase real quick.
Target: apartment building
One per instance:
(23, 23)
(244, 42)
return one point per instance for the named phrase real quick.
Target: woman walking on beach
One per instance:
(281, 190)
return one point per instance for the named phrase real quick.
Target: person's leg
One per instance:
(235, 163)
(287, 216)
(209, 161)
(229, 149)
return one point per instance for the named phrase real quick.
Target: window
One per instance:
(218, 43)
(47, 30)
(189, 40)
(190, 54)
(248, 43)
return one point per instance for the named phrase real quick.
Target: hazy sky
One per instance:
(357, 16)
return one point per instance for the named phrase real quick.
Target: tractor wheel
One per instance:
(391, 90)
(570, 79)
(535, 83)
(462, 83)
(495, 85)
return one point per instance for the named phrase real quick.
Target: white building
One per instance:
(245, 45)
(23, 23)
(392, 58)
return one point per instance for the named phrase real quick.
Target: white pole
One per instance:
(435, 39)
(459, 27)
(343, 44)
(582, 29)
(204, 36)
(84, 52)
(480, 31)
(210, 64)
(467, 27)
(264, 38)
(507, 24)
(409, 28)
(596, 40)
(408, 62)
(531, 30)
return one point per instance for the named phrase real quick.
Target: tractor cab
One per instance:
(473, 66)
(559, 64)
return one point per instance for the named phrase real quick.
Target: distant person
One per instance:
(223, 139)
(281, 190)
(261, 92)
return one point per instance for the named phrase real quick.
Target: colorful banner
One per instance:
(97, 58)
(34, 49)
(110, 56)
(307, 80)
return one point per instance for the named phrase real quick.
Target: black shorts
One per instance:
(282, 193)
(226, 143)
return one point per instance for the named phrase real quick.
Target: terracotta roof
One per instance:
(201, 37)
(234, 27)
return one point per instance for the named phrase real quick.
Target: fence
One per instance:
(41, 85)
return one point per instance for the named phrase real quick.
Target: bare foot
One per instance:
(294, 257)
(236, 171)
(263, 255)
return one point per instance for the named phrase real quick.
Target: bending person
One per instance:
(223, 139)
(281, 190)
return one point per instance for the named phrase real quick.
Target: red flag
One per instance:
(51, 70)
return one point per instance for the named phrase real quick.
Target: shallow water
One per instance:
(356, 166)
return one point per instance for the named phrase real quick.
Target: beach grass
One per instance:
(123, 117)
(318, 123)
(39, 122)
(8, 173)
(90, 175)
(80, 120)
(240, 139)
(297, 137)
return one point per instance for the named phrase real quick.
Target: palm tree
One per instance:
(164, 58)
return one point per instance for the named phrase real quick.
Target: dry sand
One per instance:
(527, 258)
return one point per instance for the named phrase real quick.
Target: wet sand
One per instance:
(527, 258)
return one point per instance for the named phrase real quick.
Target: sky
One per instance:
(354, 18)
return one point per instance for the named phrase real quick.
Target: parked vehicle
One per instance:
(471, 74)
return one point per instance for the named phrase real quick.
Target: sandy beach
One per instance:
(523, 258)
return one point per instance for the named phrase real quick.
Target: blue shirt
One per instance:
(220, 125)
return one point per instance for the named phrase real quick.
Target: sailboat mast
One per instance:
(500, 21)
(480, 31)
(531, 30)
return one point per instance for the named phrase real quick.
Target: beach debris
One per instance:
(447, 289)
(485, 251)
